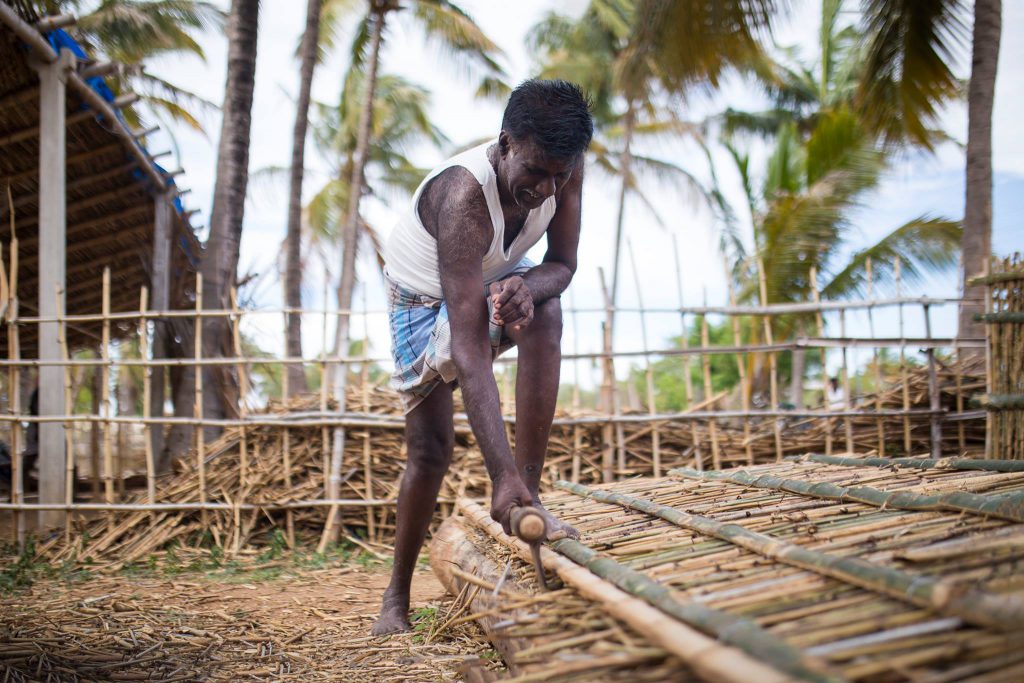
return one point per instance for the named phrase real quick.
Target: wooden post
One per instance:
(825, 380)
(159, 280)
(14, 384)
(147, 398)
(685, 343)
(879, 423)
(847, 398)
(705, 342)
(108, 454)
(69, 427)
(52, 252)
(649, 373)
(933, 389)
(741, 366)
(243, 443)
(577, 436)
(197, 398)
(772, 360)
(904, 378)
(367, 446)
(607, 384)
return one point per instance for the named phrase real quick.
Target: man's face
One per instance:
(529, 174)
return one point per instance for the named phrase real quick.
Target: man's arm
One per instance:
(514, 302)
(454, 210)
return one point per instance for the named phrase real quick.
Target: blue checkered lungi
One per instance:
(421, 340)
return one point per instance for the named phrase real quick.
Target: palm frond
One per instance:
(923, 245)
(913, 46)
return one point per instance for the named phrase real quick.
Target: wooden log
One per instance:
(452, 548)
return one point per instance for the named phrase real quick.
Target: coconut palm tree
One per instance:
(442, 21)
(293, 242)
(220, 257)
(400, 123)
(131, 31)
(977, 241)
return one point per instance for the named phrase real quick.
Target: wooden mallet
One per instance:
(529, 526)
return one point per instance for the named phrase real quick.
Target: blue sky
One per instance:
(918, 185)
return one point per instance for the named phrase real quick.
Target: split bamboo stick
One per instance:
(648, 371)
(685, 343)
(197, 399)
(69, 436)
(923, 463)
(108, 456)
(147, 379)
(773, 367)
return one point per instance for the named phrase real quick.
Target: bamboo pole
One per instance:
(286, 455)
(847, 397)
(708, 657)
(741, 367)
(243, 409)
(367, 448)
(14, 385)
(716, 452)
(197, 399)
(147, 399)
(648, 371)
(879, 423)
(772, 360)
(685, 339)
(933, 390)
(108, 457)
(325, 453)
(978, 607)
(577, 433)
(608, 401)
(69, 437)
(922, 463)
(904, 382)
(1008, 506)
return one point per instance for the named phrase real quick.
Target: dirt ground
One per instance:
(261, 623)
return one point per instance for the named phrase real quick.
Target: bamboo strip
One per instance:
(648, 372)
(197, 401)
(875, 360)
(975, 606)
(14, 385)
(716, 451)
(1009, 506)
(741, 367)
(108, 456)
(147, 379)
(825, 380)
(773, 363)
(69, 437)
(904, 383)
(922, 463)
(685, 339)
(708, 657)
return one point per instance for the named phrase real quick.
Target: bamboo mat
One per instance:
(860, 592)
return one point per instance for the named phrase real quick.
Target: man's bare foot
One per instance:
(557, 529)
(394, 617)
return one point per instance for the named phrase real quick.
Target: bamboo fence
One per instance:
(1004, 320)
(810, 587)
(282, 463)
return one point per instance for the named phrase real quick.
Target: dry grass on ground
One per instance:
(282, 618)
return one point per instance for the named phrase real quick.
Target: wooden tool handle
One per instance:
(528, 524)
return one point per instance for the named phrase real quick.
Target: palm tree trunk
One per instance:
(348, 258)
(350, 236)
(293, 263)
(220, 260)
(624, 169)
(976, 245)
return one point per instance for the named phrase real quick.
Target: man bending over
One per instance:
(460, 292)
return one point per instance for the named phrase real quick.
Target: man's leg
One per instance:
(430, 439)
(540, 362)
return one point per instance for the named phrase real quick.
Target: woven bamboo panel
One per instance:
(845, 590)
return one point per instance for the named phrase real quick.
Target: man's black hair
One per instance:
(554, 114)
